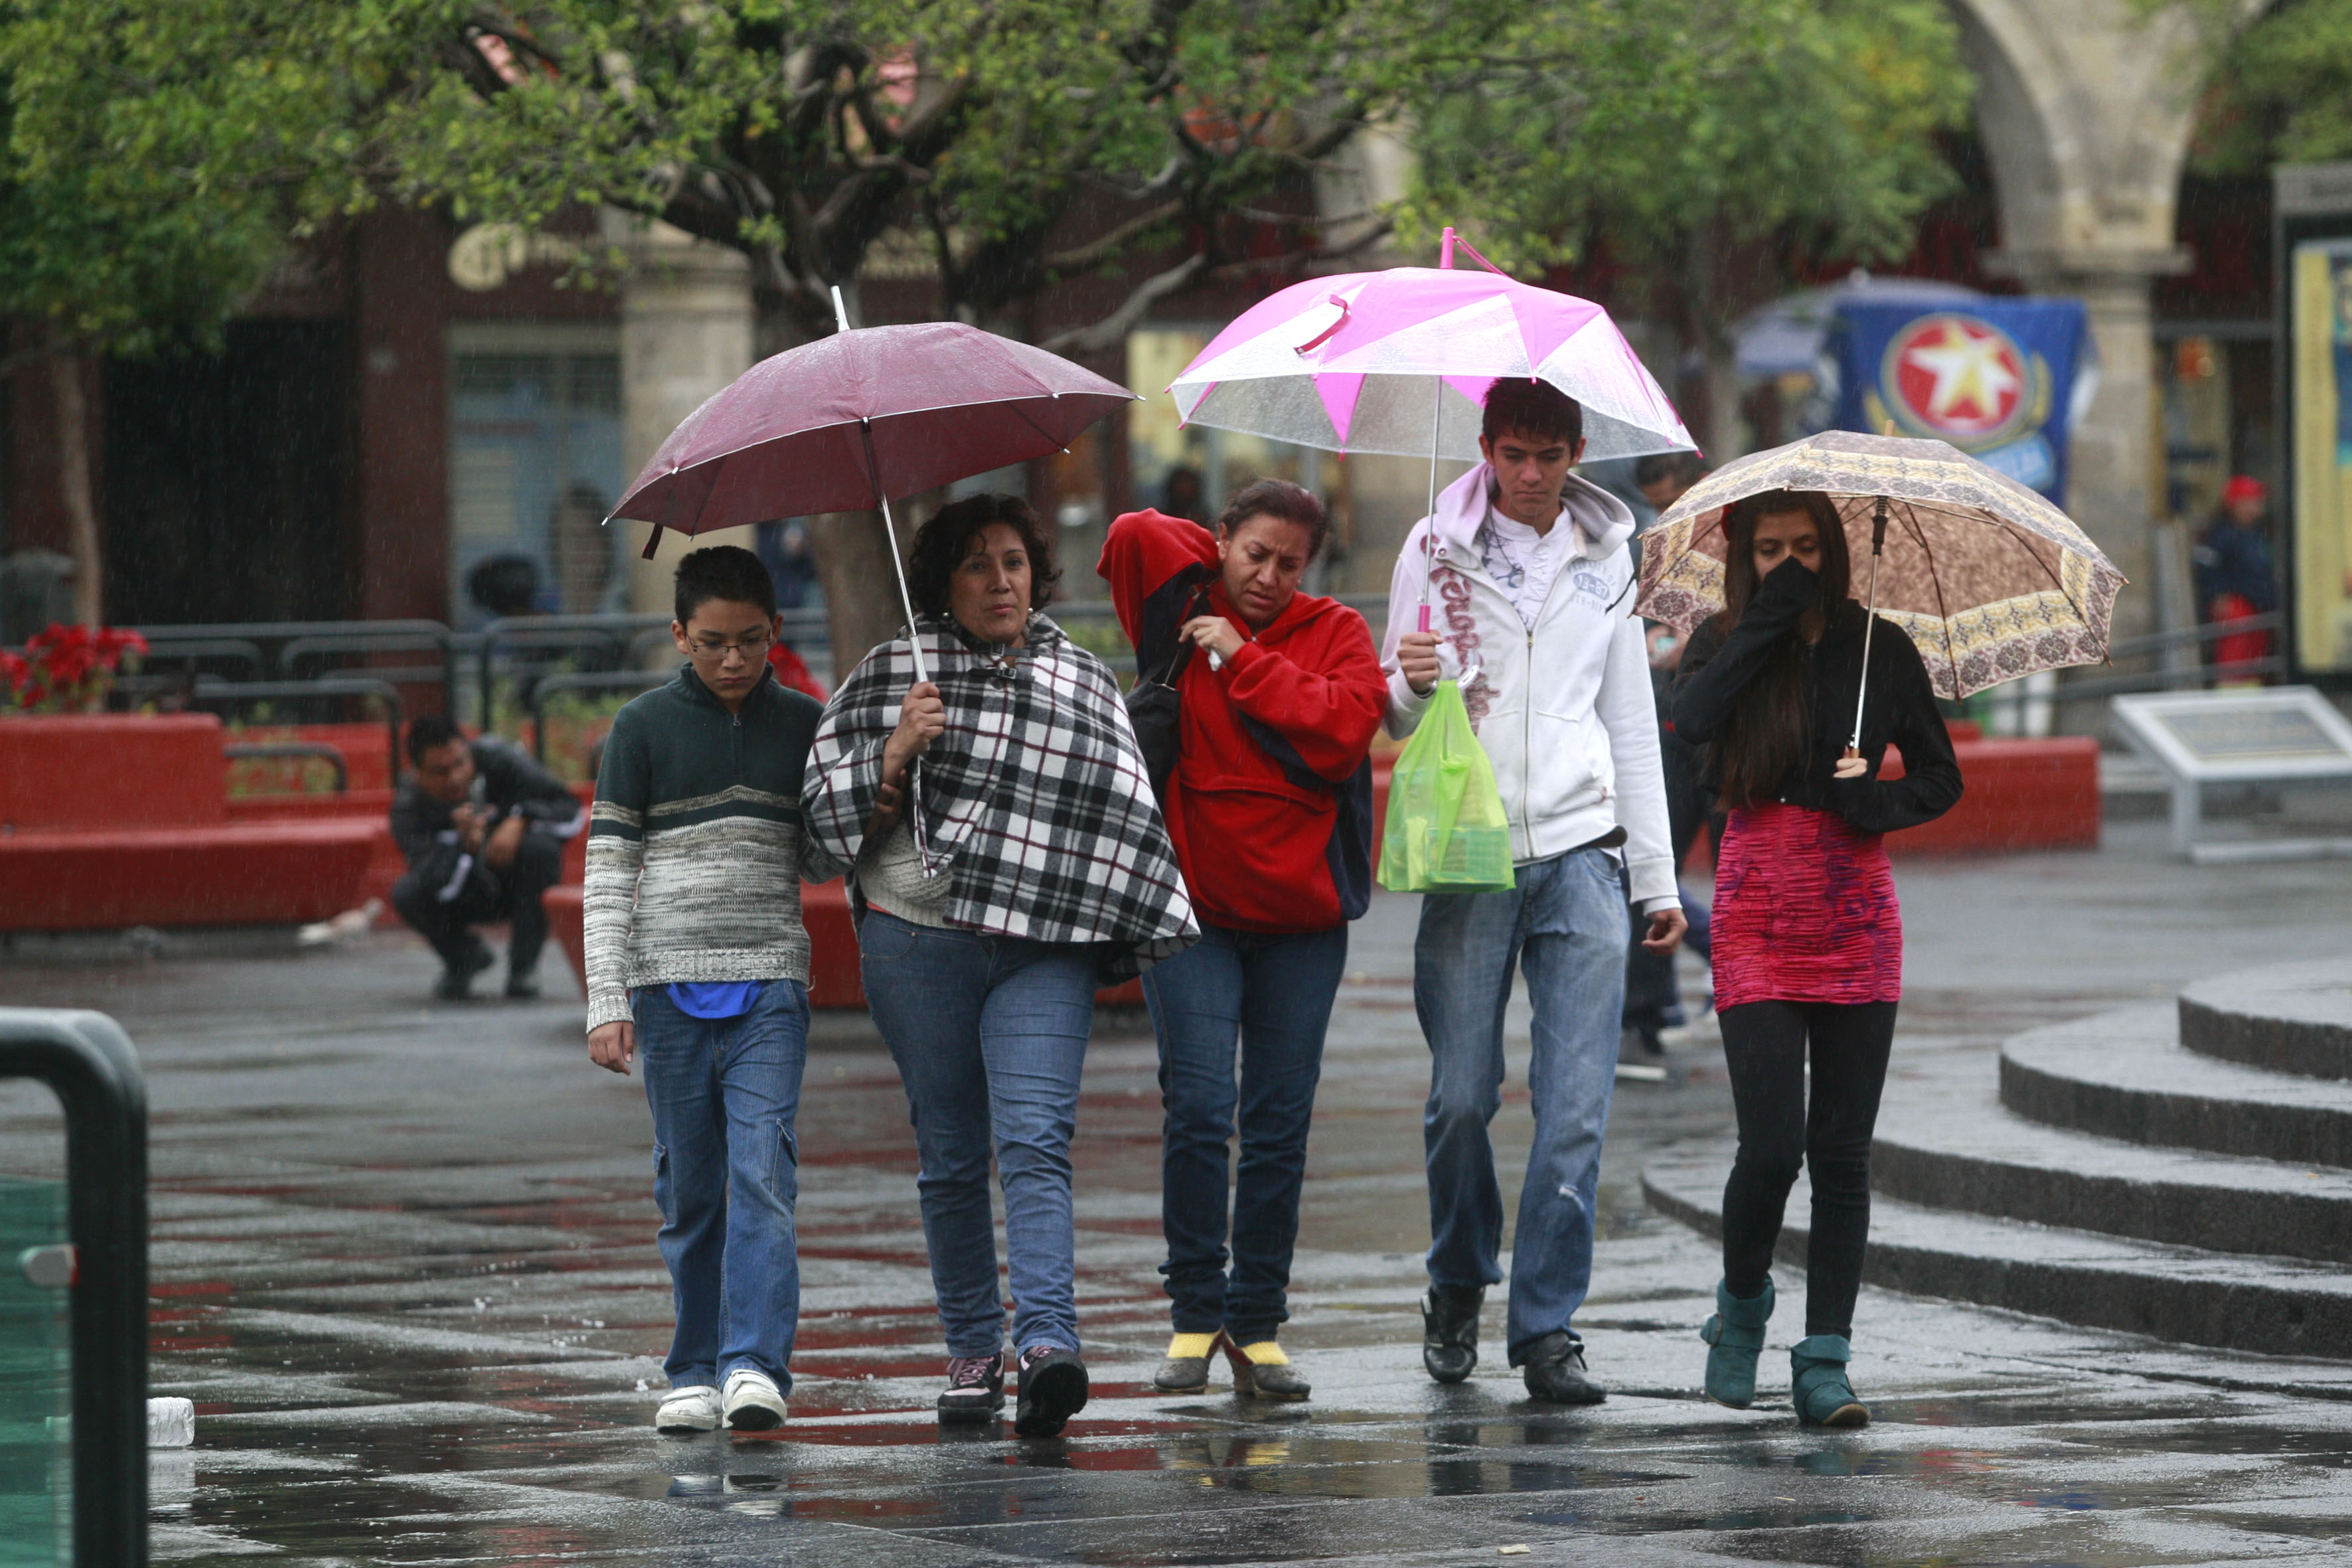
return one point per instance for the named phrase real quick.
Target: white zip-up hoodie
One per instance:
(1564, 709)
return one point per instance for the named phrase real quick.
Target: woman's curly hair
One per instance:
(941, 544)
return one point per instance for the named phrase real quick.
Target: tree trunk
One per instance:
(73, 467)
(861, 590)
(1722, 434)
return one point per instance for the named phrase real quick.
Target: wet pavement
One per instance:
(403, 1263)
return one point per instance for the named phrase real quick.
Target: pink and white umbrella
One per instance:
(1399, 361)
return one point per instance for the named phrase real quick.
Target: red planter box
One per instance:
(265, 873)
(121, 820)
(111, 771)
(2016, 796)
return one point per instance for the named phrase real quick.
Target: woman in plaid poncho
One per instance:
(1020, 867)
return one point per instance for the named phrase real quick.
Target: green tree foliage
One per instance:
(145, 190)
(1705, 146)
(159, 161)
(2281, 90)
(1004, 144)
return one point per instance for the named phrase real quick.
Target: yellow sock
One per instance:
(1266, 1353)
(1190, 1347)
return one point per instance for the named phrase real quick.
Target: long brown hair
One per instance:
(1772, 726)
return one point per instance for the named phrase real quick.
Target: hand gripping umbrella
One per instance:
(1399, 361)
(849, 422)
(1989, 580)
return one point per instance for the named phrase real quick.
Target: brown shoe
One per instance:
(1270, 1380)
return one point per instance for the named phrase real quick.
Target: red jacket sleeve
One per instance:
(1143, 553)
(1329, 713)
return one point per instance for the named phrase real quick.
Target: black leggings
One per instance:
(1764, 1043)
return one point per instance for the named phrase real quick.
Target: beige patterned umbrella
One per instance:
(1988, 578)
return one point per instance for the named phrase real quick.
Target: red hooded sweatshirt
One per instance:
(1271, 782)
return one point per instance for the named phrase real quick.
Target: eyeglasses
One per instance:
(752, 647)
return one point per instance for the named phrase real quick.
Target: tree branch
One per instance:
(1112, 330)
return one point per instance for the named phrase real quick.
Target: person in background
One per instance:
(1808, 933)
(482, 828)
(1007, 860)
(2236, 578)
(1180, 496)
(1663, 476)
(698, 960)
(1529, 578)
(1269, 805)
(1653, 997)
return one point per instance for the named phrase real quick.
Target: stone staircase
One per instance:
(2179, 1171)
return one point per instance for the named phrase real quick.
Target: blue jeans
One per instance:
(989, 1032)
(1566, 921)
(724, 1092)
(1273, 995)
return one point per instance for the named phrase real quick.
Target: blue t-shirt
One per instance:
(714, 998)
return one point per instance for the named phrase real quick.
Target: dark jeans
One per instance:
(1764, 1043)
(511, 895)
(1271, 994)
(989, 1034)
(725, 1092)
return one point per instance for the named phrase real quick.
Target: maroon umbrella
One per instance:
(847, 422)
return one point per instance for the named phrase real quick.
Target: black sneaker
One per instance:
(1449, 1321)
(975, 1390)
(1555, 1371)
(522, 987)
(456, 982)
(1053, 1389)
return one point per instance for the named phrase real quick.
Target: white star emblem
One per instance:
(1969, 370)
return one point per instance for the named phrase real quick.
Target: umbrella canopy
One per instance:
(1989, 579)
(1358, 363)
(848, 421)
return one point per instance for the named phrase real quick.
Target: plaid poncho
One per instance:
(1035, 804)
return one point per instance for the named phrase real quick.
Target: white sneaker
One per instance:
(694, 1408)
(753, 1402)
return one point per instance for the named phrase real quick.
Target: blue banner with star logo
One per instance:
(1995, 377)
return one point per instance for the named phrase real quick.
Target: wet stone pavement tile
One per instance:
(403, 1264)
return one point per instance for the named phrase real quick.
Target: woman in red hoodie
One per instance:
(1269, 804)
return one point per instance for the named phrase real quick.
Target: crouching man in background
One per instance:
(483, 829)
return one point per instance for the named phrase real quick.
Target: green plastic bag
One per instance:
(1446, 832)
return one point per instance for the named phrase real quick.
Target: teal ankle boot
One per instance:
(1735, 1336)
(1819, 1388)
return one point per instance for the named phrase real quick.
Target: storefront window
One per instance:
(535, 461)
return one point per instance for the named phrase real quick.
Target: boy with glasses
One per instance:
(698, 959)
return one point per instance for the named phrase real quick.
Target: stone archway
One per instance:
(2085, 109)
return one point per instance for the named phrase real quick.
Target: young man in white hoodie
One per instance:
(1530, 596)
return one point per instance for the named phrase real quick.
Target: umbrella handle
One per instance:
(1877, 549)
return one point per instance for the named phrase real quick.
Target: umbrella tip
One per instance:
(840, 311)
(1445, 248)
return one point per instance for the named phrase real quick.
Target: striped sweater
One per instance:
(696, 850)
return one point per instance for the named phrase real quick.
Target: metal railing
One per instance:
(603, 640)
(209, 691)
(89, 1063)
(584, 680)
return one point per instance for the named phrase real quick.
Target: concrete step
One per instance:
(2125, 1075)
(2285, 1017)
(2274, 1305)
(1944, 1141)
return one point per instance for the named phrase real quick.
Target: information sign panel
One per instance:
(2286, 734)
